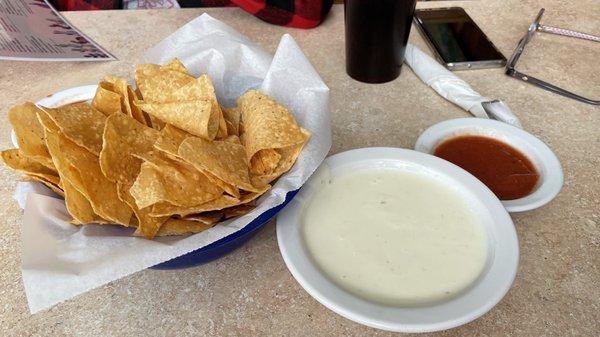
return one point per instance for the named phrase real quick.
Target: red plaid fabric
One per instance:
(85, 5)
(293, 13)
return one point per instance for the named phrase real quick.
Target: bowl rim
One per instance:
(485, 293)
(548, 165)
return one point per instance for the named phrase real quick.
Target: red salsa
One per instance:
(502, 168)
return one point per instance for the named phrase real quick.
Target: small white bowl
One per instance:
(546, 163)
(485, 292)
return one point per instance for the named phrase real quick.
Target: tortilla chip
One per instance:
(175, 97)
(136, 112)
(264, 161)
(47, 122)
(195, 116)
(224, 201)
(233, 139)
(232, 118)
(81, 169)
(78, 206)
(207, 91)
(124, 136)
(228, 188)
(182, 226)
(81, 123)
(287, 160)
(146, 224)
(134, 96)
(207, 218)
(128, 97)
(267, 125)
(170, 140)
(106, 100)
(224, 160)
(55, 188)
(30, 133)
(176, 65)
(155, 122)
(239, 210)
(164, 179)
(15, 159)
(101, 192)
(149, 187)
(158, 84)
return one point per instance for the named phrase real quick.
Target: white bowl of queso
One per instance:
(399, 240)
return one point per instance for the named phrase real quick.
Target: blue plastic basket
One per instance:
(227, 244)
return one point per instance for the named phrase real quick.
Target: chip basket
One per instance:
(199, 256)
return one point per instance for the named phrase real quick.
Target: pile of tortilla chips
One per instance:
(165, 158)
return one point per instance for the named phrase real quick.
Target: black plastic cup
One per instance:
(376, 36)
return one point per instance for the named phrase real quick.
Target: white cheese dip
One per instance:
(395, 237)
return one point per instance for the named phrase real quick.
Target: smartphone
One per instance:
(456, 40)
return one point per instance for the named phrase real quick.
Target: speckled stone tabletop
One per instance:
(250, 292)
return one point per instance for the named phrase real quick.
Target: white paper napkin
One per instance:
(455, 90)
(60, 261)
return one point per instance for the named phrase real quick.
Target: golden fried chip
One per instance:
(224, 201)
(149, 186)
(235, 211)
(124, 136)
(224, 160)
(233, 139)
(267, 125)
(206, 90)
(182, 226)
(208, 218)
(287, 160)
(30, 133)
(101, 192)
(264, 161)
(122, 88)
(47, 122)
(175, 97)
(55, 188)
(78, 206)
(106, 100)
(222, 133)
(170, 139)
(147, 225)
(232, 118)
(155, 122)
(228, 188)
(195, 117)
(179, 183)
(176, 65)
(134, 96)
(82, 170)
(14, 159)
(81, 123)
(158, 84)
(136, 112)
(151, 121)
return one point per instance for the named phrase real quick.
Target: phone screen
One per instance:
(455, 36)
